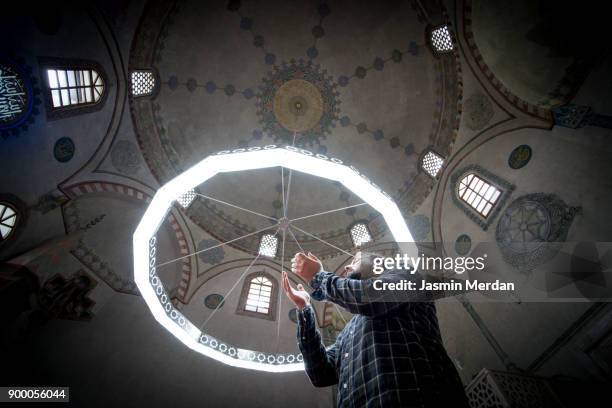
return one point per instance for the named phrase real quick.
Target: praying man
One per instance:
(390, 354)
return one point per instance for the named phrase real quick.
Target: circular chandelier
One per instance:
(292, 158)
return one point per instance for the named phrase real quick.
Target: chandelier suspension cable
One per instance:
(423, 10)
(302, 249)
(323, 241)
(238, 207)
(214, 246)
(289, 181)
(328, 212)
(280, 301)
(295, 239)
(233, 287)
(283, 189)
(286, 200)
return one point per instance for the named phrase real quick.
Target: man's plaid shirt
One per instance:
(390, 354)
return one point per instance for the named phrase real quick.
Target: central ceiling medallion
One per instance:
(298, 98)
(298, 105)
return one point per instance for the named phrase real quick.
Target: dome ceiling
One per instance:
(557, 47)
(353, 80)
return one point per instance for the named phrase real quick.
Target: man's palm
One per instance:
(299, 296)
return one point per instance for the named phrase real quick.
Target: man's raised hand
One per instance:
(306, 266)
(299, 297)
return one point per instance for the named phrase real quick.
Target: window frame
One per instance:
(244, 294)
(367, 227)
(21, 217)
(505, 188)
(428, 36)
(422, 169)
(4, 206)
(190, 195)
(261, 237)
(156, 82)
(60, 112)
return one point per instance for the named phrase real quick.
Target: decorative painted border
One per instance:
(89, 187)
(184, 250)
(505, 187)
(445, 118)
(519, 103)
(80, 189)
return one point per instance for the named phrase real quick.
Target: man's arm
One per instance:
(360, 297)
(319, 362)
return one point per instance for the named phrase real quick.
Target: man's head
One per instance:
(361, 267)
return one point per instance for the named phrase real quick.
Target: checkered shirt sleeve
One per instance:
(320, 362)
(390, 354)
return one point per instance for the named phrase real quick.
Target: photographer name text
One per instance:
(452, 285)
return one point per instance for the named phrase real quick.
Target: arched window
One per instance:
(142, 82)
(8, 220)
(268, 245)
(432, 163)
(360, 234)
(259, 296)
(480, 194)
(72, 86)
(441, 39)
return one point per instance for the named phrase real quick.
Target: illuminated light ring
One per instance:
(229, 161)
